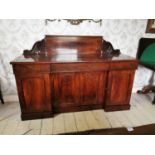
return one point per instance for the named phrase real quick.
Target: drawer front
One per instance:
(123, 65)
(80, 67)
(30, 69)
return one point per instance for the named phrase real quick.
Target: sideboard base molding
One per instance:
(117, 108)
(41, 115)
(78, 108)
(31, 116)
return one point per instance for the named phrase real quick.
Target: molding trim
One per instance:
(75, 21)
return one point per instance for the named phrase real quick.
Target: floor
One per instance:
(142, 112)
(140, 130)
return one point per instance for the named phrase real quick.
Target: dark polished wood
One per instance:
(73, 73)
(1, 96)
(119, 89)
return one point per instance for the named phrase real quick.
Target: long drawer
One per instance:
(26, 69)
(79, 67)
(123, 65)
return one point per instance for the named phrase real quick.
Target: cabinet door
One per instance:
(78, 89)
(66, 90)
(92, 87)
(119, 87)
(34, 93)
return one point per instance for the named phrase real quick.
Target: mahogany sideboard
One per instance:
(72, 73)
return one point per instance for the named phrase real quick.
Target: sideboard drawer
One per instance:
(124, 65)
(79, 67)
(28, 69)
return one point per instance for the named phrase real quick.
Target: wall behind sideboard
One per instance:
(17, 35)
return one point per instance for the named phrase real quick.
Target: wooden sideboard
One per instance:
(72, 73)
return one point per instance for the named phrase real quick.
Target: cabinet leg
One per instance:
(146, 89)
(1, 97)
(153, 102)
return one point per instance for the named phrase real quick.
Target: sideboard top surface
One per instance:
(68, 58)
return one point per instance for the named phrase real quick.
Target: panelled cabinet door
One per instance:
(92, 87)
(77, 89)
(66, 90)
(119, 87)
(34, 93)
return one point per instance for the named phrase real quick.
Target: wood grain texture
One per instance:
(119, 89)
(72, 73)
(85, 44)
